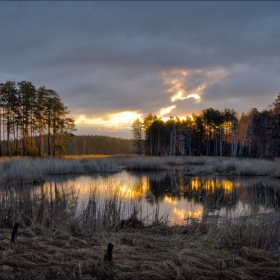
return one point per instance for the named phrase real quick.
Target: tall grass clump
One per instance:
(58, 209)
(186, 160)
(227, 166)
(204, 165)
(144, 163)
(260, 232)
(258, 167)
(30, 170)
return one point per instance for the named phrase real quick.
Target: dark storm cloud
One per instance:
(112, 56)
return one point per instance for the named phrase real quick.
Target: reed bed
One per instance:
(61, 239)
(30, 170)
(144, 163)
(207, 165)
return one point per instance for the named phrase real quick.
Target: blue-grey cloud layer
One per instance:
(111, 56)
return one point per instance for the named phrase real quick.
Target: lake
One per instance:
(169, 194)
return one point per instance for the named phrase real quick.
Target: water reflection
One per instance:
(173, 195)
(158, 194)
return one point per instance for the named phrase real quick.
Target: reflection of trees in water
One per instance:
(262, 195)
(160, 188)
(214, 199)
(176, 186)
(215, 193)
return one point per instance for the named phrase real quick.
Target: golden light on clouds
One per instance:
(181, 84)
(195, 96)
(118, 120)
(184, 84)
(164, 111)
(179, 96)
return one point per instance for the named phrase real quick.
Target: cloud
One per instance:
(107, 58)
(116, 120)
(166, 110)
(191, 83)
(179, 96)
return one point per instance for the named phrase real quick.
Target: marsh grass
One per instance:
(32, 170)
(57, 208)
(58, 239)
(144, 163)
(208, 165)
(197, 251)
(202, 165)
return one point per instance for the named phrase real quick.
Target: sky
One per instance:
(114, 62)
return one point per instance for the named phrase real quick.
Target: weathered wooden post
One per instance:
(109, 255)
(15, 232)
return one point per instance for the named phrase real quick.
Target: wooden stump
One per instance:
(109, 255)
(14, 232)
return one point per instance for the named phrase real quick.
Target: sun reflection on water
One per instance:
(212, 184)
(179, 198)
(184, 214)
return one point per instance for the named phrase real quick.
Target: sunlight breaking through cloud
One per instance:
(185, 84)
(164, 111)
(179, 96)
(118, 120)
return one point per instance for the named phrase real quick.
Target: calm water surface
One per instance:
(171, 194)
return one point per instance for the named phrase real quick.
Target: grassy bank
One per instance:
(29, 170)
(154, 252)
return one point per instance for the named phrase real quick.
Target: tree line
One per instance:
(211, 133)
(33, 122)
(88, 144)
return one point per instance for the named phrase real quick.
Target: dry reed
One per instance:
(144, 253)
(30, 170)
(56, 241)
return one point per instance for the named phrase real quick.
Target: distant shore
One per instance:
(32, 170)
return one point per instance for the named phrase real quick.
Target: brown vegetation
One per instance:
(55, 241)
(30, 170)
(155, 252)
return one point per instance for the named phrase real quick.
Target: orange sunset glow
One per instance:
(139, 139)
